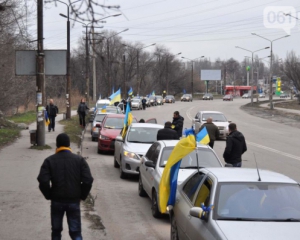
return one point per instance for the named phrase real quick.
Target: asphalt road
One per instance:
(125, 215)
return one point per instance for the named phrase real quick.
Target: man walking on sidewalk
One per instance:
(52, 111)
(213, 131)
(65, 179)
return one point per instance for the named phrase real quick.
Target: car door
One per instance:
(184, 203)
(149, 171)
(197, 122)
(197, 228)
(151, 120)
(118, 148)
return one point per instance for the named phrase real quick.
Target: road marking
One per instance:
(188, 113)
(274, 150)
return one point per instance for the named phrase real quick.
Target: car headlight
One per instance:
(131, 155)
(95, 129)
(104, 137)
(151, 100)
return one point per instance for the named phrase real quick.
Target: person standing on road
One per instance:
(144, 103)
(213, 131)
(65, 179)
(52, 111)
(167, 133)
(82, 107)
(235, 146)
(177, 123)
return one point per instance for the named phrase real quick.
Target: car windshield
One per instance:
(227, 96)
(101, 105)
(215, 116)
(152, 97)
(114, 123)
(142, 135)
(206, 158)
(258, 202)
(169, 96)
(99, 117)
(185, 95)
(159, 97)
(135, 100)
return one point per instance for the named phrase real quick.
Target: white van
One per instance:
(102, 102)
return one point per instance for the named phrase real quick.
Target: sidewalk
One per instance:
(266, 105)
(24, 212)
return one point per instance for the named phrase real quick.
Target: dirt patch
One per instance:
(289, 105)
(275, 115)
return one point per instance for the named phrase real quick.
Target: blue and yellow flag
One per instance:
(203, 136)
(115, 97)
(47, 120)
(168, 182)
(103, 109)
(130, 92)
(127, 120)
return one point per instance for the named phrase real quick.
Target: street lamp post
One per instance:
(192, 82)
(252, 52)
(271, 68)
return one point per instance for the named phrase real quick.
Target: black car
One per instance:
(208, 96)
(187, 98)
(169, 99)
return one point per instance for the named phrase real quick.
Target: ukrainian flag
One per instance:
(115, 97)
(153, 93)
(203, 136)
(47, 120)
(168, 182)
(130, 92)
(103, 109)
(127, 119)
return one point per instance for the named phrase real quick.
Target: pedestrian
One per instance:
(124, 104)
(144, 101)
(65, 179)
(167, 133)
(142, 120)
(235, 146)
(52, 111)
(82, 107)
(177, 123)
(213, 131)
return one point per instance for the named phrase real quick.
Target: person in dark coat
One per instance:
(144, 101)
(213, 131)
(82, 107)
(167, 133)
(235, 146)
(65, 179)
(52, 111)
(177, 123)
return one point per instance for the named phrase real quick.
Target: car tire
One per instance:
(122, 174)
(142, 192)
(116, 164)
(99, 151)
(174, 229)
(154, 205)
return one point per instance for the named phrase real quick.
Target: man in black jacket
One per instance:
(235, 146)
(167, 133)
(177, 123)
(212, 130)
(52, 111)
(65, 179)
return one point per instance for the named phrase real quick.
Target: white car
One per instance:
(219, 120)
(128, 151)
(153, 163)
(136, 103)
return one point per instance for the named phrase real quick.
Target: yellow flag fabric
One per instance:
(205, 140)
(182, 148)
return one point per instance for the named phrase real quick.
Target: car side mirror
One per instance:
(198, 212)
(197, 120)
(150, 164)
(119, 139)
(98, 125)
(228, 165)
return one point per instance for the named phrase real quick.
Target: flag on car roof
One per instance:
(184, 92)
(47, 120)
(103, 109)
(153, 93)
(203, 136)
(115, 97)
(127, 120)
(168, 182)
(130, 91)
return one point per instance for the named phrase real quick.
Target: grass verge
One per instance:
(27, 117)
(73, 129)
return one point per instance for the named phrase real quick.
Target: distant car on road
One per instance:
(228, 97)
(219, 120)
(246, 95)
(242, 200)
(262, 95)
(208, 96)
(159, 100)
(136, 103)
(130, 150)
(153, 163)
(152, 100)
(283, 95)
(169, 99)
(187, 98)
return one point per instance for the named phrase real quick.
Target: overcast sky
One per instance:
(194, 27)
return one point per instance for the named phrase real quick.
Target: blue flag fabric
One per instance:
(130, 91)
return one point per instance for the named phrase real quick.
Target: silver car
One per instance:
(128, 151)
(153, 163)
(96, 125)
(219, 120)
(136, 103)
(246, 206)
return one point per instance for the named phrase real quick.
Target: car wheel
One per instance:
(142, 192)
(116, 164)
(99, 151)
(154, 205)
(122, 174)
(174, 229)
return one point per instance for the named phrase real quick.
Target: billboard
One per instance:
(210, 75)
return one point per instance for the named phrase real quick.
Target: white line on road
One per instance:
(274, 150)
(188, 113)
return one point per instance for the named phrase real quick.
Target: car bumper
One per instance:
(95, 134)
(184, 100)
(106, 145)
(135, 106)
(130, 166)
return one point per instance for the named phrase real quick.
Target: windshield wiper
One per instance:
(286, 220)
(239, 219)
(190, 167)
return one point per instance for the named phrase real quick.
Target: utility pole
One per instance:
(40, 78)
(94, 66)
(87, 70)
(124, 72)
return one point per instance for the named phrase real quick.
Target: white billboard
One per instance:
(210, 75)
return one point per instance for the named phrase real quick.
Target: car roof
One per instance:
(147, 125)
(114, 115)
(229, 174)
(172, 143)
(211, 112)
